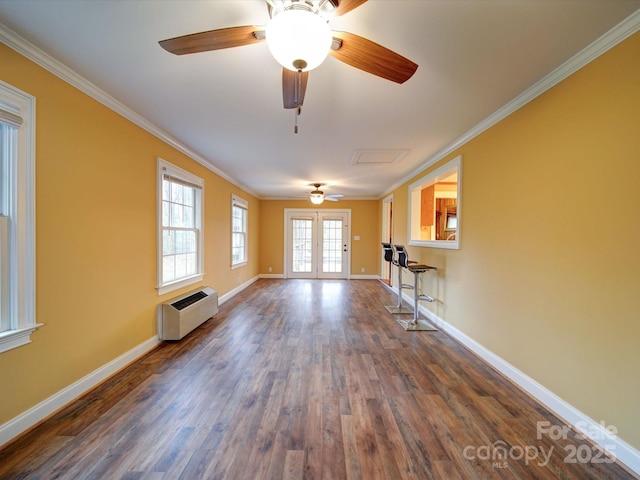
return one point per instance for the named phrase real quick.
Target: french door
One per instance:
(317, 243)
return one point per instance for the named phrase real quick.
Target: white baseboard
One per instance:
(582, 423)
(230, 294)
(365, 277)
(44, 409)
(271, 275)
(597, 432)
(352, 277)
(617, 447)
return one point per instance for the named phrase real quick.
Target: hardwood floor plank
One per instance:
(259, 460)
(352, 458)
(313, 447)
(447, 470)
(293, 465)
(333, 448)
(302, 379)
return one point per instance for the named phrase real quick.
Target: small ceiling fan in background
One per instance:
(300, 38)
(317, 196)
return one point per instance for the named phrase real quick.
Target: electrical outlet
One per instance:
(362, 269)
(270, 269)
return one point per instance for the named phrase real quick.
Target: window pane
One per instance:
(192, 242)
(180, 242)
(238, 247)
(239, 234)
(168, 242)
(191, 263)
(168, 269)
(177, 193)
(166, 190)
(332, 246)
(181, 265)
(188, 215)
(189, 196)
(166, 210)
(302, 229)
(176, 215)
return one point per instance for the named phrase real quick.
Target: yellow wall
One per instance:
(365, 219)
(96, 237)
(547, 276)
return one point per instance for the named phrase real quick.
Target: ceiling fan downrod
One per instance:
(299, 65)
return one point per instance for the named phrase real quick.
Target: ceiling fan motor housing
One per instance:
(324, 8)
(298, 38)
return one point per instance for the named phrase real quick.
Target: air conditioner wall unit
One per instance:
(181, 315)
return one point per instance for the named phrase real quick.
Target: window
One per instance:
(17, 217)
(180, 234)
(434, 207)
(239, 208)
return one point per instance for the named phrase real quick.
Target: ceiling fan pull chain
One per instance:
(295, 125)
(296, 96)
(296, 88)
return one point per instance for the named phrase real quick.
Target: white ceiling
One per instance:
(225, 106)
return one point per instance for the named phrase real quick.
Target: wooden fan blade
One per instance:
(345, 6)
(294, 85)
(213, 40)
(373, 58)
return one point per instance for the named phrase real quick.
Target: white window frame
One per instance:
(17, 254)
(238, 202)
(414, 206)
(178, 173)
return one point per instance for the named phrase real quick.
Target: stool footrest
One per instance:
(416, 325)
(395, 310)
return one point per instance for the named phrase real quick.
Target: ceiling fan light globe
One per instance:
(316, 198)
(298, 35)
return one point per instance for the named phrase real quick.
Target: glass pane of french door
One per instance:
(302, 245)
(332, 246)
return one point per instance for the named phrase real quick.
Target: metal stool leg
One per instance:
(417, 323)
(399, 309)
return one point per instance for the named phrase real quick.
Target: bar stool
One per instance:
(388, 254)
(416, 323)
(391, 255)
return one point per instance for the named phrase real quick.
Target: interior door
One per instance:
(317, 244)
(387, 237)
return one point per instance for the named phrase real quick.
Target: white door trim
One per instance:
(302, 212)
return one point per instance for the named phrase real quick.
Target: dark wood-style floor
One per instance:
(303, 379)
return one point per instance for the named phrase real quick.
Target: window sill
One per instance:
(450, 244)
(16, 338)
(238, 265)
(170, 287)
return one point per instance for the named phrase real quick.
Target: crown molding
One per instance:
(44, 60)
(610, 39)
(617, 34)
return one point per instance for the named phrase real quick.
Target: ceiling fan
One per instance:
(317, 196)
(300, 38)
